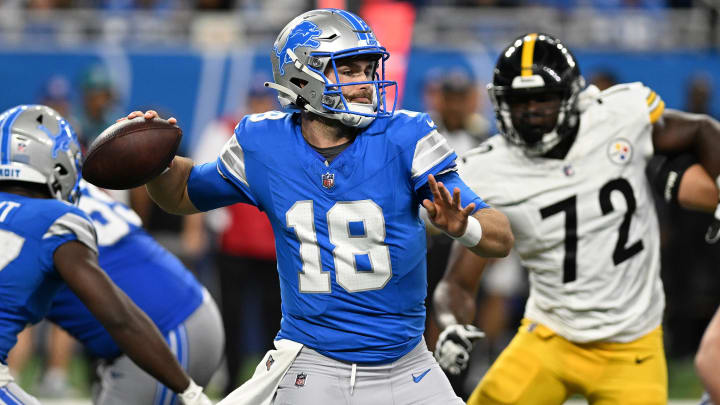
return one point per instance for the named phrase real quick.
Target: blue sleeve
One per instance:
(452, 180)
(208, 189)
(426, 150)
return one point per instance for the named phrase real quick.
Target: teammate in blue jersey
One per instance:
(341, 176)
(158, 283)
(46, 241)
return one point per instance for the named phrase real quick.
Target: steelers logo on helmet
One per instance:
(305, 60)
(535, 87)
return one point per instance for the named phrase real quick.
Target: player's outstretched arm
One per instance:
(454, 304)
(680, 180)
(678, 131)
(169, 190)
(487, 234)
(708, 357)
(132, 330)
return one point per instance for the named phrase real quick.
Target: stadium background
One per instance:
(200, 60)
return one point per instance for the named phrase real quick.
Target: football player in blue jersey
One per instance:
(158, 283)
(47, 241)
(341, 176)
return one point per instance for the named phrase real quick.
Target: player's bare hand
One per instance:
(149, 114)
(445, 211)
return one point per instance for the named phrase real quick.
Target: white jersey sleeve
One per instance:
(585, 226)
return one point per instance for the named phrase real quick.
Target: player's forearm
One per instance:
(169, 190)
(708, 358)
(139, 339)
(497, 238)
(697, 190)
(707, 145)
(453, 304)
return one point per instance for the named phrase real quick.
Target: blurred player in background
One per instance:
(47, 241)
(158, 283)
(569, 171)
(456, 111)
(341, 180)
(98, 107)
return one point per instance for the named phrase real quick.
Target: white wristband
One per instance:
(191, 393)
(472, 235)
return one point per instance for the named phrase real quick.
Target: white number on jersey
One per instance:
(270, 115)
(347, 246)
(569, 207)
(5, 208)
(112, 223)
(12, 244)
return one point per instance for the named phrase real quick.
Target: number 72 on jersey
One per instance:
(623, 250)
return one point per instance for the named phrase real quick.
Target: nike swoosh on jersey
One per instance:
(640, 359)
(417, 379)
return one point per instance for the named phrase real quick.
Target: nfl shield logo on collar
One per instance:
(269, 362)
(328, 180)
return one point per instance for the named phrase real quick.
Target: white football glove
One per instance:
(193, 395)
(454, 345)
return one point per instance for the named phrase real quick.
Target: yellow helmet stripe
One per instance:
(527, 54)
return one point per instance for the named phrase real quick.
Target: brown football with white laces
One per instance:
(130, 153)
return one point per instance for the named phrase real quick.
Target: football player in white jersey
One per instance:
(569, 172)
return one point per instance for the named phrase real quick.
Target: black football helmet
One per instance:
(538, 67)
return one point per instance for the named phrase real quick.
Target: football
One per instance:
(130, 153)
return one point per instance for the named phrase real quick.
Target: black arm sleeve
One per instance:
(665, 172)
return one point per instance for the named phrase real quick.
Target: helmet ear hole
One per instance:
(61, 170)
(299, 82)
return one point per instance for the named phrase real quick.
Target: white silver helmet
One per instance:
(37, 145)
(307, 46)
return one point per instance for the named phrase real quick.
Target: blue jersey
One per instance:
(31, 229)
(349, 240)
(151, 276)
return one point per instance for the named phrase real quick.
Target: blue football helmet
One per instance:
(37, 145)
(307, 46)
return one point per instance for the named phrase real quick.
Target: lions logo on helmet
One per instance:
(37, 145)
(302, 35)
(314, 42)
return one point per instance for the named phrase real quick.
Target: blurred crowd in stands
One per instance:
(219, 5)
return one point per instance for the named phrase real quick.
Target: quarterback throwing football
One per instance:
(341, 177)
